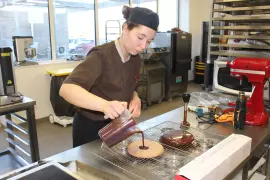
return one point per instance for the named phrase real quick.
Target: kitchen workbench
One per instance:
(259, 135)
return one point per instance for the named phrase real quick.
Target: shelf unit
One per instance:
(245, 21)
(112, 30)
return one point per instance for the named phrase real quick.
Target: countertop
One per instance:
(259, 135)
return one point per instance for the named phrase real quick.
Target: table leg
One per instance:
(245, 171)
(30, 114)
(267, 172)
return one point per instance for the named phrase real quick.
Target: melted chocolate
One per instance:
(143, 147)
(176, 138)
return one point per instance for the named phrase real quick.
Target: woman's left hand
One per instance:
(135, 106)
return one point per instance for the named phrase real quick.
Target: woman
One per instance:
(104, 83)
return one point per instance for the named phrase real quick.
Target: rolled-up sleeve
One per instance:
(88, 72)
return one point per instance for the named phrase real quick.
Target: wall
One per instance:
(34, 82)
(192, 14)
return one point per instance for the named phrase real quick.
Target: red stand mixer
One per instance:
(257, 71)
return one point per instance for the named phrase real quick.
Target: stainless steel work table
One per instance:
(259, 136)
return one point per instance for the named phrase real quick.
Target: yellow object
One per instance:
(9, 82)
(5, 54)
(228, 117)
(60, 72)
(200, 67)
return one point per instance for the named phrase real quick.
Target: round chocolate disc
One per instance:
(176, 138)
(154, 149)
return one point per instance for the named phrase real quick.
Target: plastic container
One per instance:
(118, 130)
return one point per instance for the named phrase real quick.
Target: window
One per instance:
(74, 27)
(26, 18)
(150, 4)
(110, 19)
(168, 19)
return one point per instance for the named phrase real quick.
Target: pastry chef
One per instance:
(105, 82)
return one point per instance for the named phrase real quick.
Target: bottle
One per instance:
(240, 111)
(236, 111)
(243, 111)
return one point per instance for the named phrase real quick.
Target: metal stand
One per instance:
(112, 30)
(23, 156)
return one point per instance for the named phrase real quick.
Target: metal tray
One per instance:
(224, 53)
(233, 9)
(242, 2)
(243, 27)
(165, 166)
(226, 1)
(241, 46)
(260, 37)
(250, 19)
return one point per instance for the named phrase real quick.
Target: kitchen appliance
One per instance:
(151, 84)
(256, 70)
(23, 50)
(224, 82)
(174, 51)
(8, 91)
(185, 98)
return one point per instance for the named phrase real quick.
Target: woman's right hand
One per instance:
(112, 109)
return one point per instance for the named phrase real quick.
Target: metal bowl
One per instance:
(30, 53)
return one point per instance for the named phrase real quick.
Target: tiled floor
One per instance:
(54, 138)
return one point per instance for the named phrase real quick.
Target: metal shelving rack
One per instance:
(239, 20)
(112, 30)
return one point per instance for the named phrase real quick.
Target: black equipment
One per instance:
(8, 92)
(176, 56)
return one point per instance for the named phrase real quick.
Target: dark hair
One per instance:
(126, 12)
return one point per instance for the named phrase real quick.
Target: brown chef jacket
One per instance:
(105, 74)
